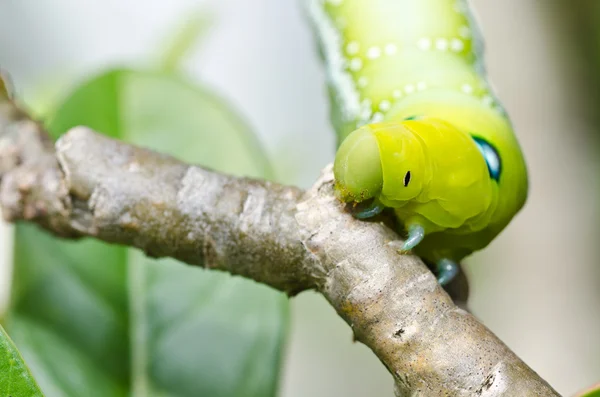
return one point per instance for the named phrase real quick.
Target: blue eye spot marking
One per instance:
(491, 157)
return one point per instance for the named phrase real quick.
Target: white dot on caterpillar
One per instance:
(467, 88)
(335, 2)
(352, 48)
(374, 53)
(385, 105)
(391, 49)
(366, 103)
(441, 44)
(409, 88)
(424, 43)
(457, 45)
(356, 64)
(421, 85)
(362, 82)
(397, 94)
(488, 100)
(377, 117)
(464, 32)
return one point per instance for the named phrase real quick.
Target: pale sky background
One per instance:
(537, 286)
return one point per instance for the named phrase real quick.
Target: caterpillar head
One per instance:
(383, 161)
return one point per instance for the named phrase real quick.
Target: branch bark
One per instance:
(87, 185)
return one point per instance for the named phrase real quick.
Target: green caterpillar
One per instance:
(419, 128)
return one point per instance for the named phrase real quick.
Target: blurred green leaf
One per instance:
(594, 391)
(120, 323)
(186, 36)
(4, 85)
(15, 378)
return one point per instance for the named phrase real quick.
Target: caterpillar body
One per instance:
(419, 128)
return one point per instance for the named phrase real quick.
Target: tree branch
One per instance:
(87, 185)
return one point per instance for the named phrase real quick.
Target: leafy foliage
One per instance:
(120, 323)
(593, 391)
(15, 378)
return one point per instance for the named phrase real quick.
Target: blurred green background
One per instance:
(537, 286)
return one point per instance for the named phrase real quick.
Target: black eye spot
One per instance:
(407, 179)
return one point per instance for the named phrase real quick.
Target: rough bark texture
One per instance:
(90, 185)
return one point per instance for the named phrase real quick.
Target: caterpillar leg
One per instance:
(416, 233)
(447, 269)
(374, 209)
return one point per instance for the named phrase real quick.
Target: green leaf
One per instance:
(593, 391)
(15, 378)
(123, 324)
(185, 38)
(4, 85)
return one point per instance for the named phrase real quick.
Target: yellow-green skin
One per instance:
(393, 60)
